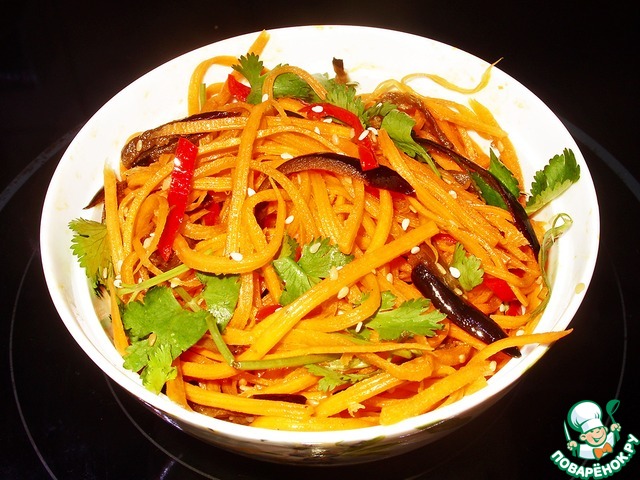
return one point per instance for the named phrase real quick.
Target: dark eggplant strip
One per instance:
(459, 311)
(144, 149)
(282, 397)
(379, 177)
(520, 217)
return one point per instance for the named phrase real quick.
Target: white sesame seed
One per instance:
(455, 273)
(363, 135)
(405, 224)
(359, 327)
(250, 192)
(457, 291)
(441, 269)
(389, 277)
(265, 97)
(373, 130)
(289, 220)
(453, 193)
(237, 256)
(152, 338)
(503, 308)
(327, 120)
(317, 130)
(314, 248)
(344, 291)
(105, 272)
(334, 139)
(139, 145)
(333, 273)
(461, 358)
(519, 333)
(286, 156)
(317, 108)
(117, 283)
(415, 250)
(493, 365)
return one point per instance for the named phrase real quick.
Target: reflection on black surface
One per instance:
(70, 421)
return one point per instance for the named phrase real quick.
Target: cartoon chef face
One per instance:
(586, 417)
(595, 437)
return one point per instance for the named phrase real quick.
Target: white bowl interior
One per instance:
(160, 96)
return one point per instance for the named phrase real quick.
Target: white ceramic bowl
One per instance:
(370, 55)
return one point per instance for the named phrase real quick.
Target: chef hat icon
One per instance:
(584, 416)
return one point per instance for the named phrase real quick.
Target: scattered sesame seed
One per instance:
(352, 133)
(457, 291)
(405, 224)
(453, 193)
(317, 130)
(519, 333)
(117, 283)
(317, 108)
(237, 256)
(333, 273)
(455, 273)
(139, 145)
(251, 192)
(265, 97)
(373, 130)
(289, 220)
(314, 248)
(327, 120)
(503, 307)
(335, 139)
(415, 250)
(363, 135)
(389, 277)
(286, 156)
(441, 269)
(359, 326)
(461, 358)
(152, 338)
(493, 365)
(105, 272)
(344, 291)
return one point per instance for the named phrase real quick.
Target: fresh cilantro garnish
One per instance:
(557, 176)
(90, 243)
(468, 267)
(488, 193)
(285, 85)
(316, 261)
(410, 318)
(221, 296)
(332, 378)
(399, 126)
(503, 174)
(344, 96)
(160, 330)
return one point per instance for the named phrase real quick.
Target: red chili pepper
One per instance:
(237, 89)
(211, 217)
(500, 288)
(368, 158)
(179, 189)
(265, 311)
(513, 309)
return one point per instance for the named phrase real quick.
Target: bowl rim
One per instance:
(130, 381)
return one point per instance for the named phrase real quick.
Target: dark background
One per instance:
(61, 61)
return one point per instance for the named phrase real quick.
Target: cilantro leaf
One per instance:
(410, 318)
(221, 294)
(160, 330)
(316, 261)
(468, 266)
(399, 126)
(344, 96)
(503, 174)
(488, 193)
(558, 175)
(285, 85)
(90, 243)
(332, 378)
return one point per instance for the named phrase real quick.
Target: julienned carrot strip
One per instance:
(283, 320)
(251, 406)
(207, 371)
(175, 388)
(520, 341)
(111, 218)
(428, 398)
(120, 339)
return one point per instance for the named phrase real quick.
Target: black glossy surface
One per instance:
(59, 62)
